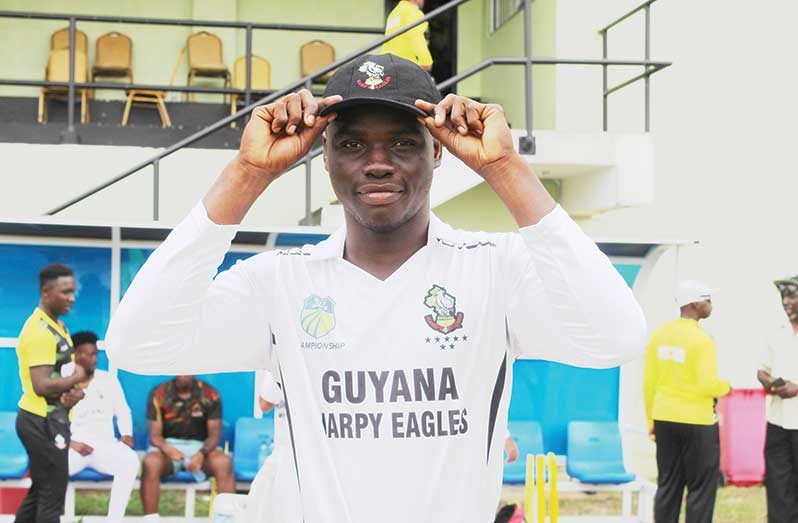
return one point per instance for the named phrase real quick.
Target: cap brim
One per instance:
(357, 102)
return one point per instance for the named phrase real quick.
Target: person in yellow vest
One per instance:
(50, 389)
(680, 385)
(410, 45)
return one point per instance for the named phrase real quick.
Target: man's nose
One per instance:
(378, 163)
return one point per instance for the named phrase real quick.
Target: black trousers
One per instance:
(781, 474)
(687, 456)
(47, 442)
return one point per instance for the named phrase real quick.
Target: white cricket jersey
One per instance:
(396, 390)
(270, 391)
(93, 416)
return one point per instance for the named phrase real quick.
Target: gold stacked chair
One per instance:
(205, 58)
(260, 80)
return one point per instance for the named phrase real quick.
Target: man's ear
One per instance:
(437, 149)
(324, 150)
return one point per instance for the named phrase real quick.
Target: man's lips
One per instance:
(379, 193)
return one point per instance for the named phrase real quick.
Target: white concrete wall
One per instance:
(723, 118)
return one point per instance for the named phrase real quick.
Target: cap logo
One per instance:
(375, 76)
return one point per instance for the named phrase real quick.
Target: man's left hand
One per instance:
(474, 132)
(195, 463)
(71, 397)
(128, 440)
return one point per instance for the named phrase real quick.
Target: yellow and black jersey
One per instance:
(42, 341)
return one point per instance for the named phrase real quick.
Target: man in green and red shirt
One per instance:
(184, 422)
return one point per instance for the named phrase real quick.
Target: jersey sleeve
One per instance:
(176, 318)
(650, 376)
(566, 302)
(38, 345)
(766, 357)
(418, 42)
(153, 408)
(706, 370)
(269, 390)
(214, 409)
(121, 409)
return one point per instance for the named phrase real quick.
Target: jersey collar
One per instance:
(333, 246)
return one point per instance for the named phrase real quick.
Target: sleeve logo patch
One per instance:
(318, 316)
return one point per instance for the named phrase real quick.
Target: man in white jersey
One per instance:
(393, 339)
(274, 494)
(94, 443)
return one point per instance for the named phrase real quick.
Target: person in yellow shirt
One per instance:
(49, 389)
(680, 385)
(410, 45)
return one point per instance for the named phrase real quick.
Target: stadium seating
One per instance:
(248, 435)
(595, 454)
(260, 79)
(113, 56)
(529, 438)
(205, 58)
(13, 458)
(313, 56)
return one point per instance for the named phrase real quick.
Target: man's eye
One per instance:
(404, 143)
(351, 145)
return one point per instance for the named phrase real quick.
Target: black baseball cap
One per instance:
(381, 79)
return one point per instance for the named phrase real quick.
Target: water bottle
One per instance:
(263, 450)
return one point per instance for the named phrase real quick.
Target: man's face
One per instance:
(86, 356)
(380, 162)
(790, 302)
(58, 295)
(704, 309)
(184, 382)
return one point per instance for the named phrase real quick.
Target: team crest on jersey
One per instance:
(375, 76)
(444, 318)
(318, 316)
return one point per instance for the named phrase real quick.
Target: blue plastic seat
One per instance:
(13, 458)
(249, 434)
(89, 474)
(595, 453)
(529, 438)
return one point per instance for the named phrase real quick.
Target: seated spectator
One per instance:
(184, 423)
(94, 443)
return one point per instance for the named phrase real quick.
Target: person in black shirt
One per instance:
(184, 423)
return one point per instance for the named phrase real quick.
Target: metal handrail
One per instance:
(625, 16)
(526, 144)
(306, 81)
(604, 32)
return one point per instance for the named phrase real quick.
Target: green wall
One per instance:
(505, 84)
(480, 209)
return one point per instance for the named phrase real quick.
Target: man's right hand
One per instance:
(81, 448)
(280, 133)
(173, 453)
(786, 391)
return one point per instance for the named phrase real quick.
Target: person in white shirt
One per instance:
(93, 442)
(274, 493)
(393, 340)
(779, 376)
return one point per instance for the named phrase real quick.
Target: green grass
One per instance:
(171, 503)
(734, 504)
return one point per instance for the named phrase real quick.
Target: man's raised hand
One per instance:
(476, 133)
(280, 133)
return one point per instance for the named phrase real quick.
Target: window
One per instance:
(503, 10)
